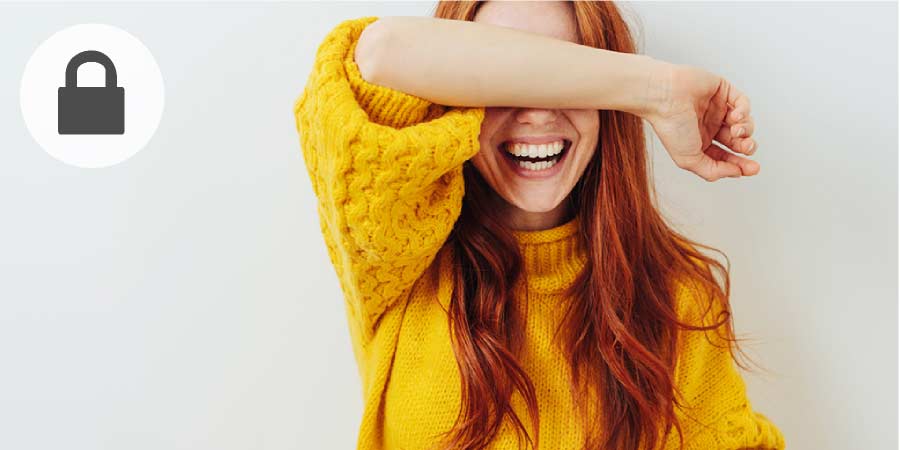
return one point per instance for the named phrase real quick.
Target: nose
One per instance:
(537, 116)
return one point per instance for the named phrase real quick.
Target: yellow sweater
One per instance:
(386, 168)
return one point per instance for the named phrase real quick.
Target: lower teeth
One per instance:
(541, 165)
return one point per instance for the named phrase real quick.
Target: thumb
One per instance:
(712, 169)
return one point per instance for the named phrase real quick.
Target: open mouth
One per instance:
(536, 163)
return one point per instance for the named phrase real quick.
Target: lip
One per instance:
(536, 139)
(513, 164)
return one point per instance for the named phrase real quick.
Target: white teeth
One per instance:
(541, 165)
(535, 151)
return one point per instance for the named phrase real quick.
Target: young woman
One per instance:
(483, 194)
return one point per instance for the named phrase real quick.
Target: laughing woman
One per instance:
(483, 194)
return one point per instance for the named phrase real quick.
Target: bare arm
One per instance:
(462, 63)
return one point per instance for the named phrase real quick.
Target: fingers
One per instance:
(739, 126)
(747, 167)
(739, 104)
(716, 163)
(728, 136)
(743, 128)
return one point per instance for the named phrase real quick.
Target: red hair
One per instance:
(619, 332)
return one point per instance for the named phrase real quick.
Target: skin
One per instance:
(693, 112)
(532, 203)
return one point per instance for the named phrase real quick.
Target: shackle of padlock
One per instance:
(90, 56)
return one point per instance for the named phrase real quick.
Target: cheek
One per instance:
(586, 159)
(587, 122)
(481, 160)
(588, 125)
(487, 154)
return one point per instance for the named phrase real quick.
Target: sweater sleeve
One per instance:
(386, 168)
(718, 414)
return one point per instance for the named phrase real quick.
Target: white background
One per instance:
(184, 300)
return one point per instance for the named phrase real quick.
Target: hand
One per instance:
(697, 108)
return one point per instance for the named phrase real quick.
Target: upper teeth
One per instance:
(535, 151)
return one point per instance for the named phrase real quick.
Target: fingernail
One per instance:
(740, 132)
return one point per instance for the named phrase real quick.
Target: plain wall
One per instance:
(184, 298)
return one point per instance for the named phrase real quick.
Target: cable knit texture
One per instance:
(386, 168)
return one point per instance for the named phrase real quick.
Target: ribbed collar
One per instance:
(554, 257)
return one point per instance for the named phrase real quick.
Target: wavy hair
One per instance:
(619, 332)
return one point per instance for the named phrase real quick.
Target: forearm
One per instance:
(463, 63)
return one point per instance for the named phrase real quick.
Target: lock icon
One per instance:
(91, 110)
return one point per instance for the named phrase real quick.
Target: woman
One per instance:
(504, 269)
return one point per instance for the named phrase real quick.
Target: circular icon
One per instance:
(92, 95)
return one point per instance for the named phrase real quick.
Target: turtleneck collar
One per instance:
(554, 257)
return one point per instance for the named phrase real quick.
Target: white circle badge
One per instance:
(92, 95)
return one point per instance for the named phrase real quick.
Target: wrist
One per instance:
(654, 96)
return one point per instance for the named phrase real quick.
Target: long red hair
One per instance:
(620, 329)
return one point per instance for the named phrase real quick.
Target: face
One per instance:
(533, 195)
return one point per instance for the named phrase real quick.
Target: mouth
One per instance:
(536, 166)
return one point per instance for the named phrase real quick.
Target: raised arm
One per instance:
(434, 59)
(387, 170)
(463, 63)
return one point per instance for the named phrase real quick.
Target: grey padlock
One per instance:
(91, 110)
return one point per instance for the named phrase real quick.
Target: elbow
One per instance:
(369, 49)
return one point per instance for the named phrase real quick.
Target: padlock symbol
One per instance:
(91, 110)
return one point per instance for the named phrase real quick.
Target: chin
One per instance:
(537, 206)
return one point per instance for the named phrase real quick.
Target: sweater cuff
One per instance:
(383, 105)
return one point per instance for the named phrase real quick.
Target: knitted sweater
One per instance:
(386, 168)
